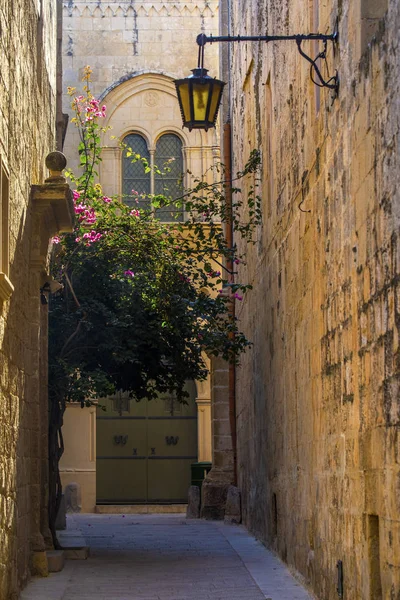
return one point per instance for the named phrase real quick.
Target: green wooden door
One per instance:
(145, 449)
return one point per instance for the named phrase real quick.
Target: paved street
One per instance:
(166, 557)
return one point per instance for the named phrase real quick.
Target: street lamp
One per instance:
(199, 95)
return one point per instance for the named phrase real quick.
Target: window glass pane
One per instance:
(169, 160)
(133, 175)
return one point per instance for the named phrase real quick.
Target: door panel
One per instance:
(121, 480)
(122, 437)
(168, 479)
(172, 437)
(145, 449)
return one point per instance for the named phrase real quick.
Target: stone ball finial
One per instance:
(56, 161)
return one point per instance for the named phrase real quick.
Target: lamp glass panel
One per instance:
(185, 100)
(200, 100)
(216, 94)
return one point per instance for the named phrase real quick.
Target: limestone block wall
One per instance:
(318, 395)
(27, 128)
(122, 40)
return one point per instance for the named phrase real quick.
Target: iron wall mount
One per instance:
(331, 82)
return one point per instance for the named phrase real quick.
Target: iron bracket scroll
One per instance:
(331, 82)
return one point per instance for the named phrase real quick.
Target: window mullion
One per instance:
(152, 185)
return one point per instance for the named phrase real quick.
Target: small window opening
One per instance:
(274, 516)
(374, 561)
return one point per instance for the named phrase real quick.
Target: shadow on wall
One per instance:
(23, 432)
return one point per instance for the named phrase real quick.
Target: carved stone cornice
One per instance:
(53, 212)
(140, 9)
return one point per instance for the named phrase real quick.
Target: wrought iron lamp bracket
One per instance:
(331, 82)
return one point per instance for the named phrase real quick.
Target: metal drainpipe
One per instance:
(227, 145)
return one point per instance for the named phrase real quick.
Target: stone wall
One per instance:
(27, 133)
(124, 39)
(318, 395)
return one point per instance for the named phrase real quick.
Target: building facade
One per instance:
(32, 211)
(136, 50)
(318, 394)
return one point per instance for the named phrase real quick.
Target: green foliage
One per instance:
(144, 300)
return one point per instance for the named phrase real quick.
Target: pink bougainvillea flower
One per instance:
(91, 237)
(134, 193)
(237, 261)
(129, 273)
(55, 240)
(87, 215)
(79, 208)
(76, 195)
(106, 199)
(238, 296)
(135, 213)
(93, 110)
(77, 239)
(184, 278)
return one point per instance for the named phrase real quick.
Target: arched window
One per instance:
(133, 173)
(169, 160)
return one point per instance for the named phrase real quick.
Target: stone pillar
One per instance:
(203, 401)
(215, 486)
(52, 212)
(33, 442)
(78, 463)
(44, 419)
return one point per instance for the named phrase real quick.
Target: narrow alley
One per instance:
(165, 557)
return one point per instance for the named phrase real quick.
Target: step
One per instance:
(140, 509)
(55, 560)
(76, 553)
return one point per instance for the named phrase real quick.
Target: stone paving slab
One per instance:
(166, 557)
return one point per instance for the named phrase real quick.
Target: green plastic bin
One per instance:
(199, 472)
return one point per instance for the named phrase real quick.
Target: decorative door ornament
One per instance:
(121, 402)
(172, 440)
(172, 405)
(120, 440)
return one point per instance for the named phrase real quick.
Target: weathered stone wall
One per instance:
(318, 395)
(27, 128)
